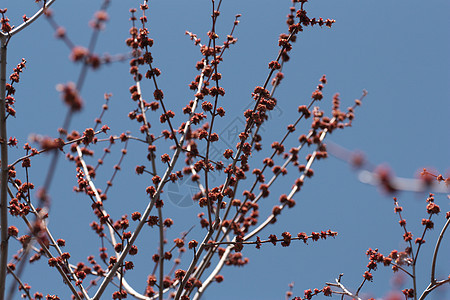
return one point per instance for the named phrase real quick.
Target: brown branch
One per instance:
(4, 169)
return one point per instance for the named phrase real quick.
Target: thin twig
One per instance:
(28, 22)
(27, 292)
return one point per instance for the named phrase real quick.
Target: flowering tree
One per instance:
(238, 174)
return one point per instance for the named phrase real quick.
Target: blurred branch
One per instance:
(370, 174)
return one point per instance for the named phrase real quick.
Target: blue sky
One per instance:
(397, 50)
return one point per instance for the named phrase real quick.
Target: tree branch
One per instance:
(4, 169)
(30, 20)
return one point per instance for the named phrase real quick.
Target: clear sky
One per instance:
(396, 50)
